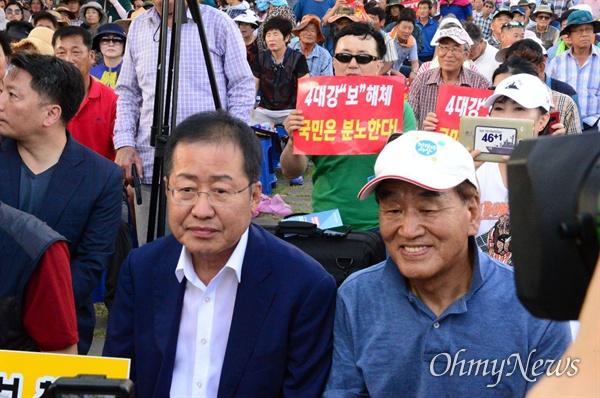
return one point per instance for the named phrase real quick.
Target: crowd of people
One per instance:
(220, 307)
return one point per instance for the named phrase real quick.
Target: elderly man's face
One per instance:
(426, 232)
(356, 45)
(543, 20)
(72, 49)
(509, 36)
(581, 35)
(451, 55)
(210, 232)
(309, 34)
(497, 23)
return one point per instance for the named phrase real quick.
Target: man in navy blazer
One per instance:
(45, 172)
(221, 307)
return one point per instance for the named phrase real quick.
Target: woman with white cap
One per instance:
(248, 23)
(517, 96)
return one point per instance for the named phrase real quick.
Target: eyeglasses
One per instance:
(115, 40)
(445, 49)
(513, 24)
(543, 17)
(582, 30)
(216, 197)
(13, 11)
(361, 59)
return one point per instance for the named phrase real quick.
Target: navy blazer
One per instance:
(280, 341)
(82, 203)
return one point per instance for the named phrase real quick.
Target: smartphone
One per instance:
(137, 185)
(554, 118)
(494, 137)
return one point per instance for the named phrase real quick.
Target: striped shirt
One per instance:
(137, 81)
(424, 89)
(585, 80)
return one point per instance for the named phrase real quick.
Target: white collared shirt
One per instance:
(204, 326)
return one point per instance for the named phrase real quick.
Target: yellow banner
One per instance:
(28, 374)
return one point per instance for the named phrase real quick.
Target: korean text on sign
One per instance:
(348, 115)
(455, 102)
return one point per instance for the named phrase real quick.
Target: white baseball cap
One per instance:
(459, 35)
(248, 17)
(527, 90)
(433, 161)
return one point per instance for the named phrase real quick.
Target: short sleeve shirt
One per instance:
(279, 82)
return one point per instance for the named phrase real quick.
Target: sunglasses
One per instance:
(361, 59)
(115, 40)
(544, 17)
(13, 11)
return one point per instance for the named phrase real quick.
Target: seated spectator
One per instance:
(35, 6)
(549, 35)
(74, 7)
(579, 66)
(36, 296)
(92, 16)
(453, 46)
(406, 47)
(445, 23)
(564, 97)
(273, 8)
(276, 73)
(482, 54)
(39, 41)
(110, 42)
(377, 15)
(530, 100)
(499, 18)
(318, 59)
(485, 19)
(46, 19)
(336, 179)
(392, 11)
(66, 14)
(248, 23)
(449, 303)
(428, 26)
(511, 32)
(14, 11)
(335, 20)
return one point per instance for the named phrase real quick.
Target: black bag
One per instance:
(339, 253)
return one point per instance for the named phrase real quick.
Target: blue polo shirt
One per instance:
(461, 12)
(388, 343)
(428, 32)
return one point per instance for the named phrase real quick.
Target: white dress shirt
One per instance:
(204, 326)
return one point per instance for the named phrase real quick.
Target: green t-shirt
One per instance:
(338, 179)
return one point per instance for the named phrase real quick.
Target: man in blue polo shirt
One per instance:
(428, 26)
(439, 317)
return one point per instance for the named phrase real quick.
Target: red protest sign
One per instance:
(414, 4)
(454, 102)
(348, 115)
